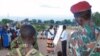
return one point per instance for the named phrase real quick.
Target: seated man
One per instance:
(28, 38)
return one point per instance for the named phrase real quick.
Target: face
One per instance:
(79, 20)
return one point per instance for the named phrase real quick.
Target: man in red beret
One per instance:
(84, 40)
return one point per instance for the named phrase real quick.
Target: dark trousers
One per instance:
(64, 43)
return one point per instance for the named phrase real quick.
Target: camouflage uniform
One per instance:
(18, 41)
(83, 40)
(20, 52)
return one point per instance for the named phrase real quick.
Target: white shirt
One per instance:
(64, 35)
(9, 37)
(18, 32)
(51, 35)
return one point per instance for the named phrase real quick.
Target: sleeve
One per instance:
(15, 42)
(39, 54)
(12, 53)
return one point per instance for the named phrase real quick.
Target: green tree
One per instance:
(34, 21)
(45, 22)
(5, 21)
(51, 22)
(39, 27)
(58, 22)
(66, 21)
(39, 21)
(96, 18)
(26, 20)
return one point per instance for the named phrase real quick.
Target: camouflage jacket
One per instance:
(17, 43)
(20, 52)
(82, 39)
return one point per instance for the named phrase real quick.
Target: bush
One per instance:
(39, 27)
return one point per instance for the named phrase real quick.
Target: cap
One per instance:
(80, 6)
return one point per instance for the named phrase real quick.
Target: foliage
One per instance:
(51, 22)
(34, 21)
(5, 21)
(58, 22)
(66, 22)
(39, 22)
(39, 27)
(96, 18)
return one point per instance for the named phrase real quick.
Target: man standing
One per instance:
(84, 40)
(64, 36)
(5, 37)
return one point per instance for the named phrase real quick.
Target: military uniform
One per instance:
(18, 41)
(21, 52)
(83, 41)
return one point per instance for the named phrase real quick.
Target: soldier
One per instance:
(18, 41)
(84, 40)
(28, 38)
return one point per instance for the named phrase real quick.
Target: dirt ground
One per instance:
(42, 47)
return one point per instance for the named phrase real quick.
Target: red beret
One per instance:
(81, 6)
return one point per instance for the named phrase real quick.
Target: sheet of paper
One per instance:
(57, 37)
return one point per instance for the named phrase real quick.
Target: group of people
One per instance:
(51, 33)
(7, 34)
(82, 42)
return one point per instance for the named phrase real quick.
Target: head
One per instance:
(82, 12)
(83, 17)
(64, 27)
(51, 26)
(28, 33)
(59, 53)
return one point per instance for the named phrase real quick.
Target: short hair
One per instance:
(64, 27)
(59, 53)
(84, 14)
(51, 26)
(27, 31)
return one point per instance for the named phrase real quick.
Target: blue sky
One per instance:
(59, 9)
